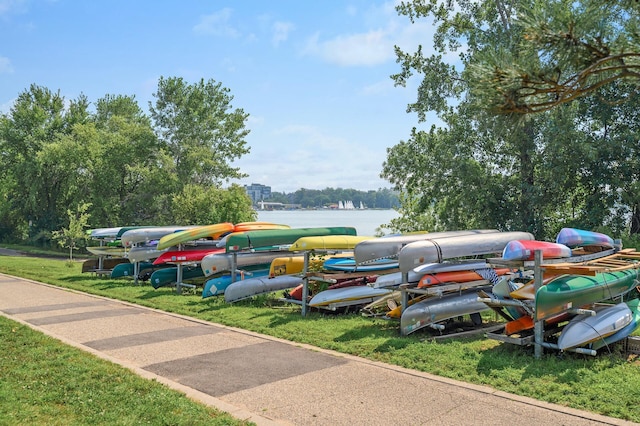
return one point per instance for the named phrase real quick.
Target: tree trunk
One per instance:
(635, 220)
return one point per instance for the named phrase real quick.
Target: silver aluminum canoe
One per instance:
(389, 247)
(438, 249)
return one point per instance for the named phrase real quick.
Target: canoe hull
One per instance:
(573, 291)
(437, 250)
(436, 309)
(218, 285)
(389, 247)
(584, 329)
(525, 250)
(573, 237)
(239, 241)
(346, 294)
(255, 286)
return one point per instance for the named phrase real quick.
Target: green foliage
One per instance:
(197, 205)
(197, 126)
(75, 234)
(575, 165)
(59, 154)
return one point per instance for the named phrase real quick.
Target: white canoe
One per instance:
(450, 266)
(394, 279)
(437, 309)
(100, 233)
(221, 262)
(358, 294)
(144, 235)
(143, 253)
(585, 328)
(438, 249)
(377, 248)
(254, 286)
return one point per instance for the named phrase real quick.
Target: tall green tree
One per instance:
(35, 139)
(199, 128)
(477, 169)
(202, 205)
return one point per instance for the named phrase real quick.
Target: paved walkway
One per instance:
(263, 379)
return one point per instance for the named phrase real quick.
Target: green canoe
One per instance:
(168, 276)
(255, 240)
(574, 291)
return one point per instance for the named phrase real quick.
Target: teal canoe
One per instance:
(256, 240)
(218, 285)
(168, 276)
(574, 291)
(126, 269)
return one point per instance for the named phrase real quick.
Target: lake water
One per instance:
(365, 221)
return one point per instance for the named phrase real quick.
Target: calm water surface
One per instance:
(365, 221)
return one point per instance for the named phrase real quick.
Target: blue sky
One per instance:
(313, 75)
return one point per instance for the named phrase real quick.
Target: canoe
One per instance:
(255, 226)
(437, 250)
(167, 276)
(107, 251)
(104, 233)
(349, 265)
(270, 239)
(126, 269)
(573, 237)
(437, 309)
(357, 294)
(450, 266)
(221, 261)
(91, 265)
(584, 328)
(457, 277)
(144, 235)
(209, 231)
(218, 285)
(525, 250)
(377, 248)
(573, 291)
(185, 256)
(394, 279)
(328, 242)
(288, 265)
(254, 286)
(624, 332)
(142, 253)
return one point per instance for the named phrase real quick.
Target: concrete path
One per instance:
(266, 380)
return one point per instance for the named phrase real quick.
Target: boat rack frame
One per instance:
(585, 264)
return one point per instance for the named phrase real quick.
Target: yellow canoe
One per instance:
(209, 231)
(328, 242)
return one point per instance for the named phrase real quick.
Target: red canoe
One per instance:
(185, 256)
(455, 277)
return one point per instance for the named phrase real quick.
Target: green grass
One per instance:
(45, 382)
(606, 384)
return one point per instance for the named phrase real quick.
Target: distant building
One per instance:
(258, 192)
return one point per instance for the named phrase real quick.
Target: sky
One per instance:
(314, 76)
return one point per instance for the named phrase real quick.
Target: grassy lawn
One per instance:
(606, 384)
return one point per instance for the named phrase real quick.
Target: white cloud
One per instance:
(310, 158)
(281, 32)
(5, 65)
(217, 24)
(364, 49)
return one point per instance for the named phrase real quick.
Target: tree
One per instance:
(70, 237)
(200, 205)
(199, 129)
(579, 47)
(34, 137)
